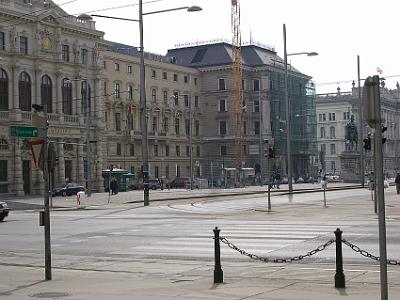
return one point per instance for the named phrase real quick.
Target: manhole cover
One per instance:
(50, 295)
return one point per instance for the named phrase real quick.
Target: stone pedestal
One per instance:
(350, 166)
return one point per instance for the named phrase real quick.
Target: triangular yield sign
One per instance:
(37, 151)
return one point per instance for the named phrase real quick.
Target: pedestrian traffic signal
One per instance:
(384, 128)
(367, 144)
(271, 152)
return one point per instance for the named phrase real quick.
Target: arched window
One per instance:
(323, 134)
(67, 96)
(46, 93)
(3, 90)
(332, 132)
(84, 96)
(25, 94)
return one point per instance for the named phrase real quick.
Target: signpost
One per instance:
(24, 131)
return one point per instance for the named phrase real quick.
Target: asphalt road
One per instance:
(182, 231)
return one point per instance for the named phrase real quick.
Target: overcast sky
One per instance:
(338, 30)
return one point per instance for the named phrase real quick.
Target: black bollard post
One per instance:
(339, 276)
(218, 273)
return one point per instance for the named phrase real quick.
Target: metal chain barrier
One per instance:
(276, 260)
(365, 253)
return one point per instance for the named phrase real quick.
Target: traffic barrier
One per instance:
(339, 274)
(80, 199)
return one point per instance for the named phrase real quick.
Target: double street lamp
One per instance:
(143, 118)
(287, 110)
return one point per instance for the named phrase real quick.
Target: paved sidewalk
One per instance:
(104, 200)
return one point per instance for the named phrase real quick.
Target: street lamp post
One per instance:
(143, 112)
(287, 110)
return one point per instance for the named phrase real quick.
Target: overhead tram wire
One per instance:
(74, 14)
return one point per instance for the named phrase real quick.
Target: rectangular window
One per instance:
(105, 88)
(118, 121)
(65, 53)
(187, 126)
(185, 79)
(244, 127)
(222, 128)
(154, 124)
(23, 44)
(256, 127)
(84, 56)
(165, 124)
(223, 150)
(116, 67)
(2, 41)
(132, 149)
(333, 166)
(164, 75)
(178, 171)
(156, 172)
(130, 92)
(256, 85)
(167, 171)
(186, 100)
(198, 151)
(155, 150)
(154, 95)
(196, 101)
(119, 149)
(129, 121)
(222, 105)
(3, 176)
(176, 98)
(117, 90)
(130, 69)
(177, 126)
(333, 148)
(256, 106)
(178, 150)
(167, 150)
(153, 74)
(197, 127)
(195, 81)
(175, 77)
(221, 84)
(187, 151)
(165, 97)
(323, 148)
(323, 117)
(333, 117)
(320, 117)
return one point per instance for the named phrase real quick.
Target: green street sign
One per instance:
(24, 131)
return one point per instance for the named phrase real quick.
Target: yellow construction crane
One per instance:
(237, 82)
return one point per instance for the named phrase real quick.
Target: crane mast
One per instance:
(237, 69)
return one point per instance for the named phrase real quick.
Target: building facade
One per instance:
(334, 112)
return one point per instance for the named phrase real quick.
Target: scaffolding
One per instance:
(302, 99)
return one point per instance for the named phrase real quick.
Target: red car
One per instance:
(178, 182)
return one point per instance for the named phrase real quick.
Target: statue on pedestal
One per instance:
(351, 135)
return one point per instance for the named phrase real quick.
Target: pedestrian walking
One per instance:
(278, 180)
(397, 182)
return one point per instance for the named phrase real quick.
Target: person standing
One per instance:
(278, 180)
(397, 182)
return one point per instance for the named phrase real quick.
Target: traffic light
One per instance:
(271, 152)
(367, 143)
(384, 128)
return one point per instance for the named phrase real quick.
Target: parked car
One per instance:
(68, 189)
(4, 210)
(154, 184)
(178, 182)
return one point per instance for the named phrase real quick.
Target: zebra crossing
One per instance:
(262, 238)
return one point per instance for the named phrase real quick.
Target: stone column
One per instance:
(98, 175)
(77, 96)
(80, 166)
(18, 179)
(15, 87)
(58, 93)
(61, 165)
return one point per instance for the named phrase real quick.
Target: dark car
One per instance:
(68, 189)
(178, 182)
(154, 184)
(4, 210)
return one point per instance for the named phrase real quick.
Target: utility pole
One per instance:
(190, 139)
(143, 112)
(260, 129)
(88, 154)
(47, 244)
